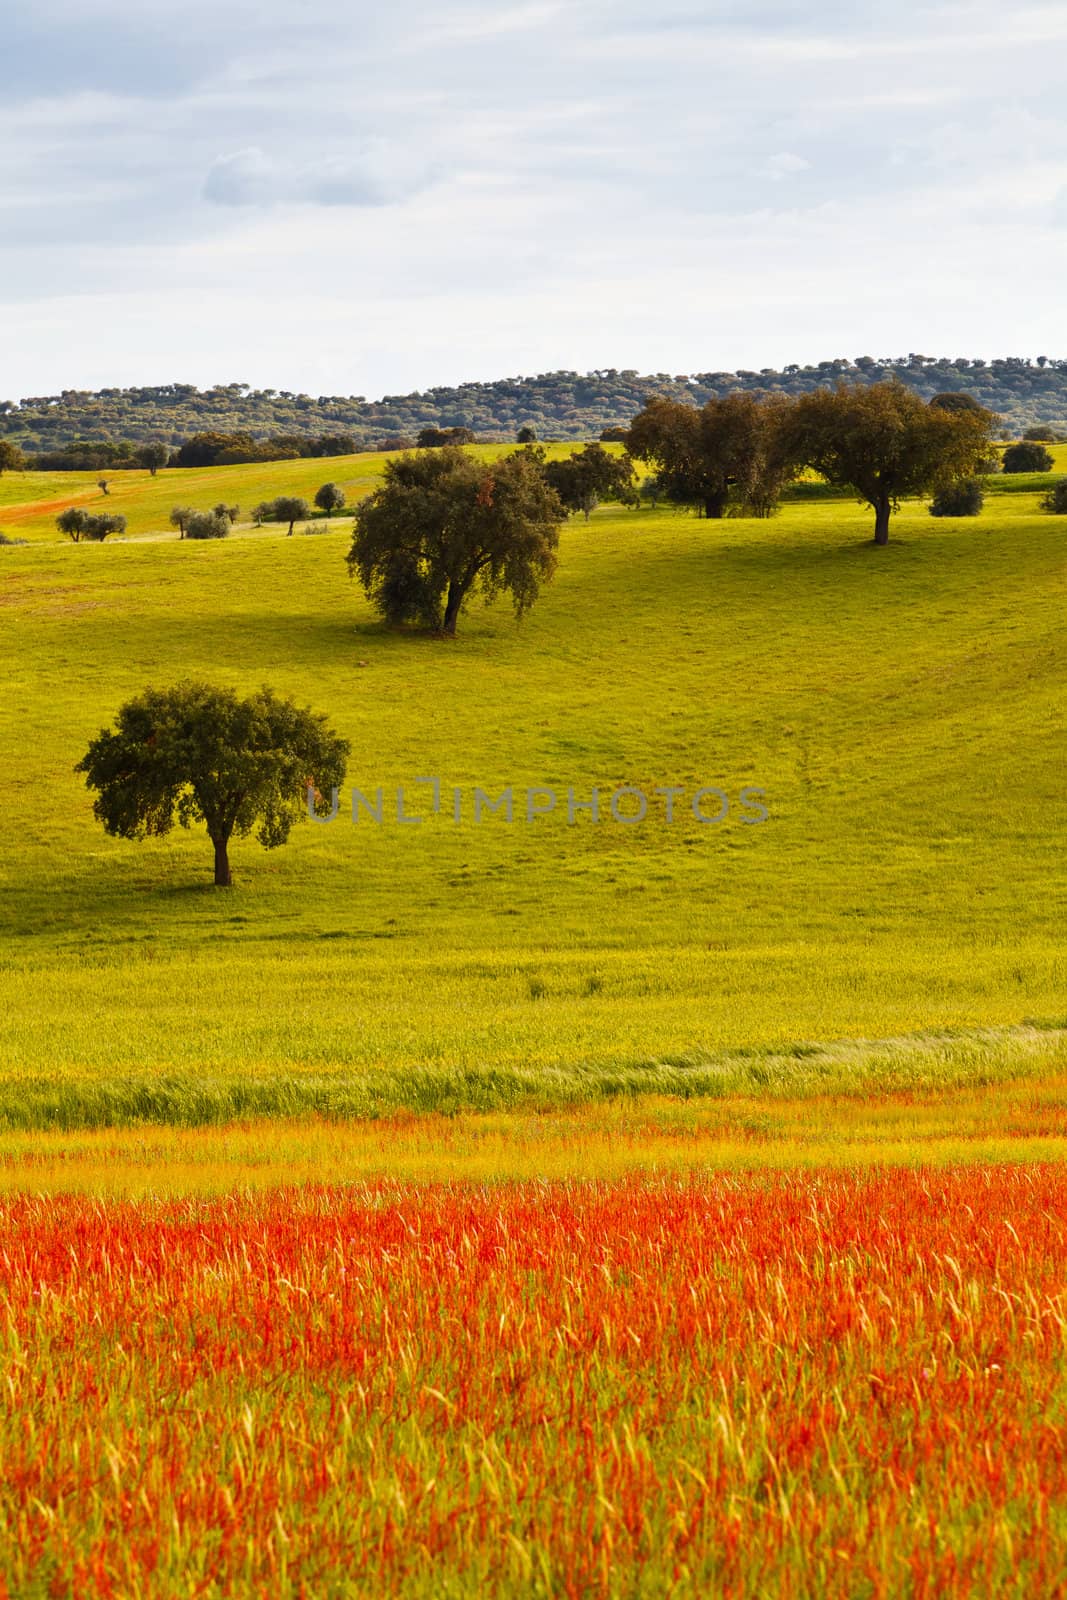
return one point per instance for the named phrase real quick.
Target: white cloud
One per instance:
(515, 182)
(783, 165)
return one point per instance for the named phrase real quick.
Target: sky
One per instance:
(370, 199)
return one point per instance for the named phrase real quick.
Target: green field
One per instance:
(897, 921)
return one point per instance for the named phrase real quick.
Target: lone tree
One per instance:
(444, 524)
(11, 458)
(728, 454)
(526, 435)
(153, 456)
(291, 509)
(179, 518)
(102, 485)
(1028, 456)
(197, 753)
(330, 498)
(584, 479)
(885, 442)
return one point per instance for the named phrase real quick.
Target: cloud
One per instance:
(588, 172)
(783, 165)
(245, 178)
(379, 177)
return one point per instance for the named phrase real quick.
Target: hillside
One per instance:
(559, 405)
(901, 709)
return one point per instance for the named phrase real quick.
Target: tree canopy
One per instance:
(1028, 456)
(885, 442)
(726, 454)
(584, 479)
(444, 524)
(198, 753)
(330, 498)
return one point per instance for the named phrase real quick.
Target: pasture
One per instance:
(562, 1207)
(897, 919)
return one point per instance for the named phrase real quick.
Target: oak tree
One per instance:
(198, 753)
(444, 525)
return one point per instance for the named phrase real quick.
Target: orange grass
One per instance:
(831, 1384)
(1025, 1120)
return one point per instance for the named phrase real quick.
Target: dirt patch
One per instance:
(43, 508)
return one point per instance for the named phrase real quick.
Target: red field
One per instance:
(765, 1385)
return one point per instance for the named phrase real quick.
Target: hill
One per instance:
(558, 405)
(898, 918)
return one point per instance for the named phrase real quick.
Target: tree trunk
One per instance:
(881, 520)
(223, 880)
(452, 605)
(289, 535)
(714, 505)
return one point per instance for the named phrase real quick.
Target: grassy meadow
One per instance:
(896, 921)
(555, 1208)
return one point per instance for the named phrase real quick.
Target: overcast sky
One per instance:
(356, 198)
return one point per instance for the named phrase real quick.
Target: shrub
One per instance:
(4, 540)
(964, 498)
(1027, 456)
(207, 525)
(1056, 499)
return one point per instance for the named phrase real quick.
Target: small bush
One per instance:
(1027, 456)
(961, 499)
(1056, 499)
(4, 540)
(207, 525)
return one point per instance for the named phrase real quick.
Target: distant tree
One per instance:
(885, 442)
(11, 458)
(1045, 433)
(263, 512)
(231, 513)
(72, 522)
(395, 441)
(207, 525)
(526, 435)
(728, 452)
(614, 435)
(1056, 499)
(439, 438)
(102, 483)
(330, 498)
(290, 508)
(955, 400)
(1028, 456)
(204, 449)
(584, 479)
(179, 518)
(652, 489)
(99, 528)
(153, 456)
(197, 753)
(964, 498)
(444, 524)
